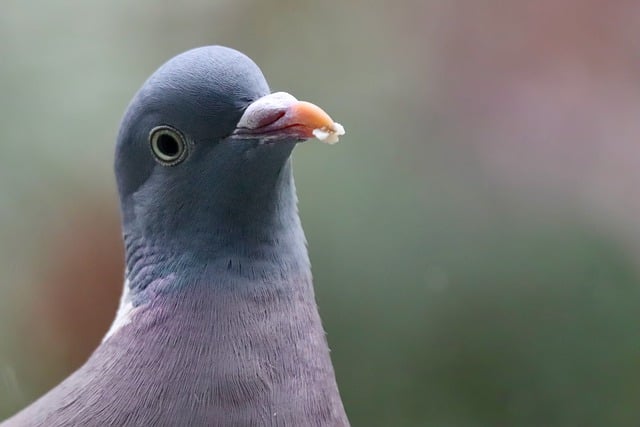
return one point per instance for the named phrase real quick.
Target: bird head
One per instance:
(203, 151)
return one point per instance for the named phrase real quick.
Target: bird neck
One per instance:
(261, 242)
(240, 299)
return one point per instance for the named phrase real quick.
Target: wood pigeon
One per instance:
(218, 323)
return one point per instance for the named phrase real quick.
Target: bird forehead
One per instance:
(212, 73)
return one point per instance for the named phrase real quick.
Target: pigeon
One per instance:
(218, 323)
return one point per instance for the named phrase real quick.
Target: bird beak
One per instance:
(281, 116)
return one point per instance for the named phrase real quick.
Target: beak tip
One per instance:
(329, 134)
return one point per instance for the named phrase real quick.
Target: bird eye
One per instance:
(168, 145)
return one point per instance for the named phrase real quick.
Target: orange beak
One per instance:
(281, 116)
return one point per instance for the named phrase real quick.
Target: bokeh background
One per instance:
(475, 237)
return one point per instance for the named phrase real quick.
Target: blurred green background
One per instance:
(474, 236)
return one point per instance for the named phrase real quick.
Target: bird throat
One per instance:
(260, 241)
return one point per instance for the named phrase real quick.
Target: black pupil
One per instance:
(168, 145)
